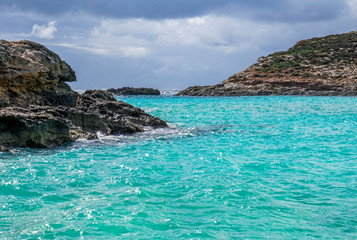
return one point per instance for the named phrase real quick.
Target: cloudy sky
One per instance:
(169, 44)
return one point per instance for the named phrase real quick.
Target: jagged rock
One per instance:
(316, 67)
(98, 110)
(49, 126)
(32, 127)
(32, 74)
(38, 109)
(134, 91)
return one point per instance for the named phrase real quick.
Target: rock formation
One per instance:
(38, 109)
(34, 126)
(32, 74)
(134, 91)
(99, 111)
(316, 67)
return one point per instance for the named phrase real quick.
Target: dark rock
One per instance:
(32, 74)
(134, 91)
(324, 66)
(35, 128)
(97, 110)
(39, 110)
(49, 126)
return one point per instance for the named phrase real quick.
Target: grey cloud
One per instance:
(273, 10)
(288, 10)
(153, 9)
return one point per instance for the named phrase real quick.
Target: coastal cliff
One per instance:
(39, 109)
(324, 66)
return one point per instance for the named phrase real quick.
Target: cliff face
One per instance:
(32, 74)
(38, 109)
(318, 66)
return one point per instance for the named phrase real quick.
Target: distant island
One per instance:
(324, 66)
(134, 91)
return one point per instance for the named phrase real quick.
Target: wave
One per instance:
(153, 134)
(169, 92)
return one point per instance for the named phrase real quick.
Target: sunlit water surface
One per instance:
(242, 167)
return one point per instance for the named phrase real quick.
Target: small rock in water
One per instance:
(134, 91)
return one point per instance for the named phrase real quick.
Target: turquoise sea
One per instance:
(227, 168)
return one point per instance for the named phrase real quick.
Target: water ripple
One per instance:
(250, 167)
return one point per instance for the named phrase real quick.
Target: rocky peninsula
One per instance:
(134, 91)
(38, 109)
(324, 66)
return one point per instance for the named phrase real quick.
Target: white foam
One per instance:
(169, 92)
(79, 91)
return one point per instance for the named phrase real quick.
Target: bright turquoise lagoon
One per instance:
(231, 167)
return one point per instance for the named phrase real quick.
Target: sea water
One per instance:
(228, 167)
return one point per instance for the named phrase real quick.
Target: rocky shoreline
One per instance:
(39, 110)
(325, 66)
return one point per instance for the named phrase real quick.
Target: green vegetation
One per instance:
(330, 50)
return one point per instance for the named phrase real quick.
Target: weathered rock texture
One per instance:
(318, 66)
(34, 126)
(99, 111)
(32, 74)
(38, 109)
(134, 91)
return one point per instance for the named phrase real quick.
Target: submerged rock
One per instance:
(323, 66)
(134, 91)
(38, 109)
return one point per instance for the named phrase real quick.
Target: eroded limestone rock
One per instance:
(32, 74)
(38, 109)
(325, 66)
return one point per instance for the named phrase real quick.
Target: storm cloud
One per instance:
(275, 10)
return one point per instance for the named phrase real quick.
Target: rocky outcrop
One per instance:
(38, 109)
(35, 126)
(97, 110)
(134, 91)
(316, 67)
(32, 74)
(49, 126)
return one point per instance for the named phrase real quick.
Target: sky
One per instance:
(169, 44)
